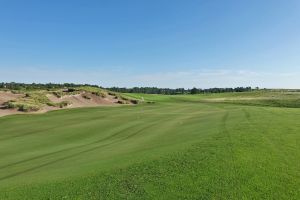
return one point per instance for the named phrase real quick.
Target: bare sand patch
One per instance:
(5, 97)
(8, 96)
(4, 112)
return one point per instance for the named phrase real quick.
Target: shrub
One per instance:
(134, 101)
(28, 107)
(51, 104)
(22, 106)
(58, 94)
(124, 98)
(112, 93)
(63, 104)
(100, 94)
(71, 90)
(86, 96)
(16, 92)
(122, 102)
(11, 104)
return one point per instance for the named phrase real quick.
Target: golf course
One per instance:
(205, 146)
(149, 100)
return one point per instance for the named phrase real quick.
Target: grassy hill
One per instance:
(216, 146)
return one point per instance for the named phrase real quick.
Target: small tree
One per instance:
(194, 91)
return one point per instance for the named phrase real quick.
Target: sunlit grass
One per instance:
(180, 147)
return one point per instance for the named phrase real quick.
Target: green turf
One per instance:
(180, 147)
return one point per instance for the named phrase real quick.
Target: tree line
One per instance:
(40, 86)
(144, 90)
(155, 90)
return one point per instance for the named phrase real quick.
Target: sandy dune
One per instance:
(79, 101)
(76, 101)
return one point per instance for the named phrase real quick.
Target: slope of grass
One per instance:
(177, 148)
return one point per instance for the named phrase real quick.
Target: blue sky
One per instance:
(163, 43)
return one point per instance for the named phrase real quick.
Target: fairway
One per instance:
(177, 148)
